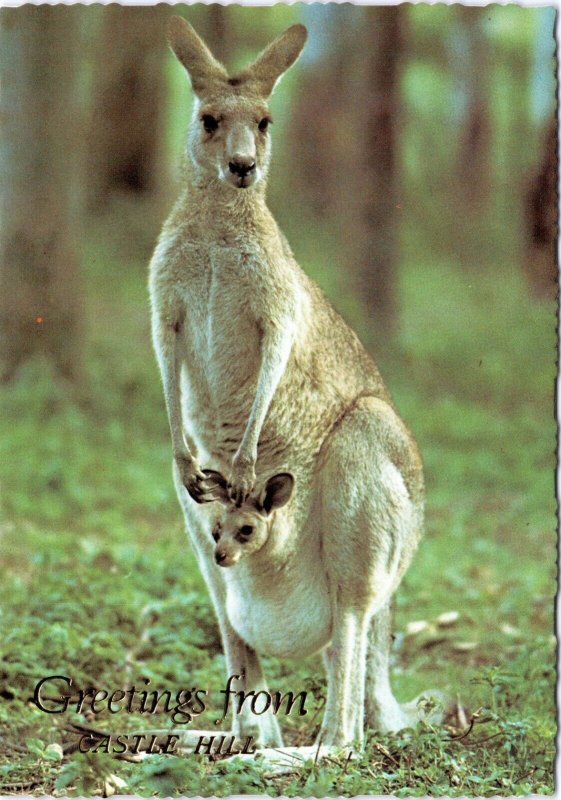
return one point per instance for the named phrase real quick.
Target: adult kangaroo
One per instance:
(263, 379)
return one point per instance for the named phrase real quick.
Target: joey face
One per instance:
(229, 140)
(239, 532)
(228, 136)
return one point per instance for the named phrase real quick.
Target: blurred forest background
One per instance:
(415, 175)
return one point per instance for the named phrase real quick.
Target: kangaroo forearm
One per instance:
(169, 362)
(275, 355)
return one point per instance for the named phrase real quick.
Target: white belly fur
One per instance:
(292, 619)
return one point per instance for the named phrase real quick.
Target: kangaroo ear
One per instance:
(275, 59)
(277, 492)
(201, 65)
(218, 485)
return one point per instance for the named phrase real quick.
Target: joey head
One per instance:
(241, 531)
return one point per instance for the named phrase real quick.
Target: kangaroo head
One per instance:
(238, 532)
(228, 136)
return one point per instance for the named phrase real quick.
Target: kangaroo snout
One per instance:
(225, 558)
(243, 171)
(241, 166)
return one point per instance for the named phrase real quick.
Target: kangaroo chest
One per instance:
(222, 341)
(221, 313)
(285, 614)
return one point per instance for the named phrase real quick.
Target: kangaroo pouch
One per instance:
(287, 619)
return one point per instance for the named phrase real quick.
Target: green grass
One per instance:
(98, 581)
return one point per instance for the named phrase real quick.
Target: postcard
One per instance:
(278, 311)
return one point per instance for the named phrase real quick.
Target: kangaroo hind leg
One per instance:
(371, 511)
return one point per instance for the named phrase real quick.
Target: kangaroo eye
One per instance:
(246, 530)
(210, 123)
(216, 533)
(264, 124)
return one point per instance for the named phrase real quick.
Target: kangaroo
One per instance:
(261, 378)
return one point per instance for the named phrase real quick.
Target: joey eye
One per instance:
(216, 533)
(210, 123)
(246, 530)
(264, 124)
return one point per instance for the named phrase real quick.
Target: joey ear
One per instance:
(201, 65)
(277, 492)
(218, 485)
(275, 59)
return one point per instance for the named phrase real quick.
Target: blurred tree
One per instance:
(474, 155)
(376, 194)
(541, 222)
(320, 120)
(40, 140)
(126, 141)
(345, 121)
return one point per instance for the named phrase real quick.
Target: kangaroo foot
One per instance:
(431, 706)
(389, 716)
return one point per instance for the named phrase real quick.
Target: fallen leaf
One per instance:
(412, 628)
(447, 619)
(463, 647)
(55, 751)
(509, 630)
(111, 784)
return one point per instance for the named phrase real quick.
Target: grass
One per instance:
(98, 581)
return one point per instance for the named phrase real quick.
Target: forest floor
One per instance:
(99, 582)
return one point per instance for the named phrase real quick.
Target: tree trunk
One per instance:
(39, 152)
(125, 147)
(375, 202)
(321, 108)
(474, 160)
(540, 263)
(345, 124)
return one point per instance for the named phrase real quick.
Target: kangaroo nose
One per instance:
(241, 166)
(219, 556)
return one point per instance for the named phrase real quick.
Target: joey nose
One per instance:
(219, 556)
(241, 166)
